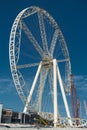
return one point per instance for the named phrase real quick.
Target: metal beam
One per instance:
(32, 39)
(32, 88)
(64, 96)
(43, 32)
(55, 93)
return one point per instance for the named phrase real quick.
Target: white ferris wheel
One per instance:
(39, 61)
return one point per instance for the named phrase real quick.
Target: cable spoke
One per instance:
(43, 77)
(27, 65)
(43, 32)
(50, 78)
(32, 38)
(63, 60)
(54, 40)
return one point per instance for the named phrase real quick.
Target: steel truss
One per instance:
(47, 67)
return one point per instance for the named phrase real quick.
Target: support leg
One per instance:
(64, 96)
(32, 88)
(55, 92)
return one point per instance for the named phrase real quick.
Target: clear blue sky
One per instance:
(72, 19)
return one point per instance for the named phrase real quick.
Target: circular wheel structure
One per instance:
(39, 61)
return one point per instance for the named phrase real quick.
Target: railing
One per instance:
(76, 122)
(64, 121)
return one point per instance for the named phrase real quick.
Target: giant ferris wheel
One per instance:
(39, 61)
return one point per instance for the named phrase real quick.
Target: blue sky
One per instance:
(72, 19)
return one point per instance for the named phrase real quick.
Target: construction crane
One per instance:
(74, 100)
(85, 106)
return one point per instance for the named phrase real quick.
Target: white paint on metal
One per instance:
(64, 96)
(55, 92)
(32, 88)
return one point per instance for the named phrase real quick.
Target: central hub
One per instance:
(47, 61)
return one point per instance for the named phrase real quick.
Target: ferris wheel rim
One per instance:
(13, 64)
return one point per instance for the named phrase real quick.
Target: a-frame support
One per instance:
(56, 73)
(32, 88)
(55, 92)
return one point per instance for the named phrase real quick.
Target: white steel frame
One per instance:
(46, 55)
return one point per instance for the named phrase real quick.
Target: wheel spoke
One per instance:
(32, 39)
(43, 32)
(63, 60)
(27, 65)
(63, 45)
(53, 43)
